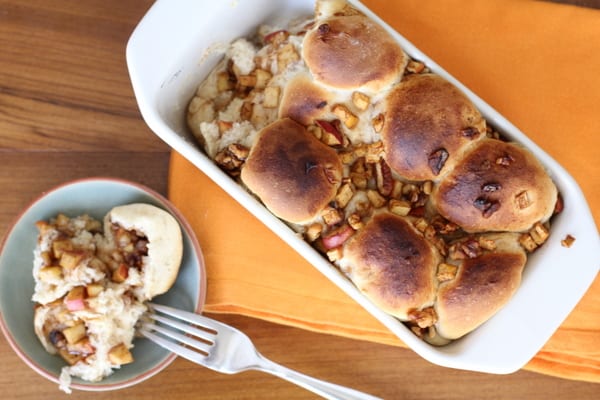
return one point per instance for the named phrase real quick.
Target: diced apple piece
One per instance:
(360, 100)
(527, 242)
(247, 80)
(46, 257)
(421, 224)
(331, 216)
(246, 110)
(271, 99)
(262, 78)
(344, 195)
(375, 198)
(61, 220)
(415, 67)
(120, 274)
(316, 131)
(378, 122)
(313, 231)
(83, 347)
(337, 237)
(343, 113)
(75, 333)
(331, 134)
(355, 221)
(539, 233)
(93, 225)
(224, 126)
(397, 189)
(122, 236)
(75, 299)
(94, 289)
(446, 272)
(276, 37)
(335, 254)
(286, 55)
(374, 152)
(567, 241)
(59, 246)
(359, 180)
(120, 355)
(224, 82)
(42, 226)
(71, 359)
(71, 259)
(400, 207)
(50, 273)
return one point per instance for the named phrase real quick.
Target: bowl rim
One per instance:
(186, 227)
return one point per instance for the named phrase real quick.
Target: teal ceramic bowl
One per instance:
(94, 196)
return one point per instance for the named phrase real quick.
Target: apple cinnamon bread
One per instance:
(387, 168)
(92, 279)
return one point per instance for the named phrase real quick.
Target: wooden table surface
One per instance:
(67, 111)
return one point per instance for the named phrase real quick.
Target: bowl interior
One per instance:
(94, 197)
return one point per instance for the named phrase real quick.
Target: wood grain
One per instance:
(67, 111)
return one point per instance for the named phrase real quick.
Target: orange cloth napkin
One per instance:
(537, 63)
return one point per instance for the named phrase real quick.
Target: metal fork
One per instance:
(223, 348)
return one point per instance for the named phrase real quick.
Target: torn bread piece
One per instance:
(151, 239)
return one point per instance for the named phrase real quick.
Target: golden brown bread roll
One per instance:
(482, 286)
(303, 100)
(393, 264)
(428, 123)
(498, 186)
(352, 52)
(293, 173)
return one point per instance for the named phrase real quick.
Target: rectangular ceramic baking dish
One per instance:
(173, 49)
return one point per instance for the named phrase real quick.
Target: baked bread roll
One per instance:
(498, 186)
(352, 52)
(483, 284)
(393, 264)
(293, 173)
(428, 124)
(304, 101)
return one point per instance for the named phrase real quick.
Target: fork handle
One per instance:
(325, 389)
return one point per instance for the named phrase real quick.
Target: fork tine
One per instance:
(182, 351)
(184, 327)
(193, 318)
(187, 340)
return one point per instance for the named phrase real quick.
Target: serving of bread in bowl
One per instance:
(388, 169)
(92, 280)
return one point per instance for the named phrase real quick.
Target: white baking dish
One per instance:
(169, 54)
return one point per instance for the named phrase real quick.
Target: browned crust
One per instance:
(482, 286)
(351, 52)
(393, 264)
(303, 101)
(498, 186)
(294, 174)
(428, 123)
